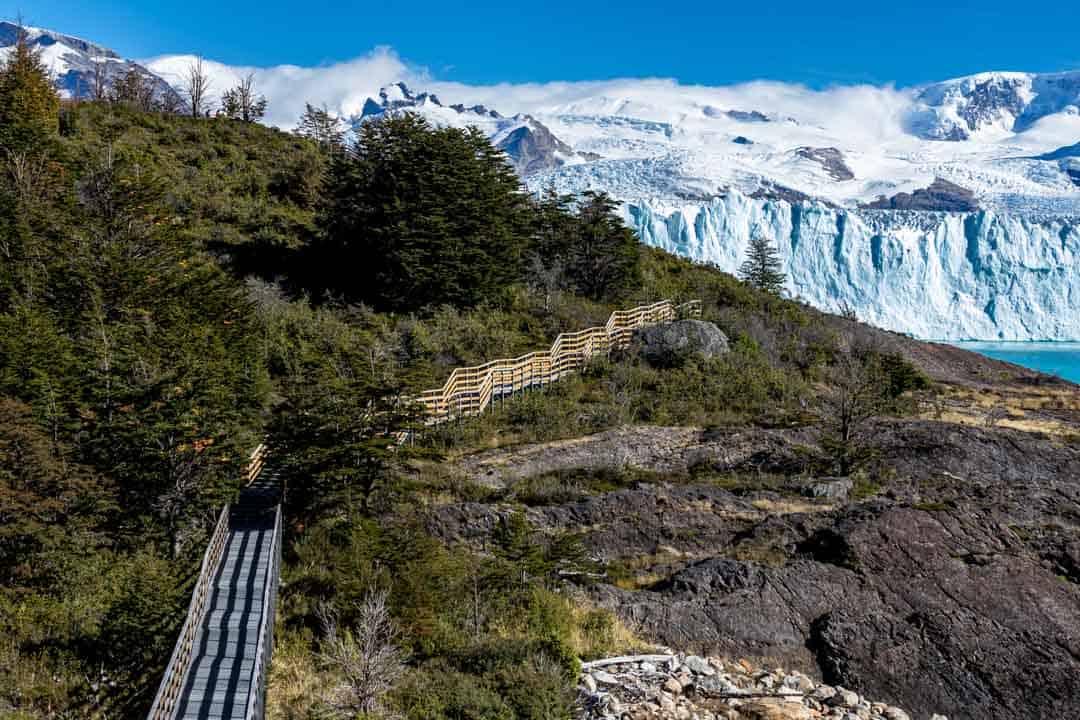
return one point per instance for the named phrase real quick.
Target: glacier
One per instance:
(982, 275)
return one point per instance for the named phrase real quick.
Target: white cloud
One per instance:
(343, 87)
(864, 111)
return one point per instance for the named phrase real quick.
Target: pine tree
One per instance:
(418, 216)
(762, 267)
(29, 104)
(321, 126)
(605, 254)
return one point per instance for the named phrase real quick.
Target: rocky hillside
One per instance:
(944, 578)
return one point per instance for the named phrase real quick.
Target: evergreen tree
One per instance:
(323, 127)
(605, 253)
(417, 216)
(582, 244)
(29, 104)
(762, 267)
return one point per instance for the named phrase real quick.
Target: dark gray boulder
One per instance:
(670, 344)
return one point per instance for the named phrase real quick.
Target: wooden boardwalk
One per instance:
(218, 669)
(471, 390)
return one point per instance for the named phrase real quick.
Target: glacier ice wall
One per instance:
(947, 276)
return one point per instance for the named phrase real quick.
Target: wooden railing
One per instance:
(255, 463)
(471, 390)
(173, 681)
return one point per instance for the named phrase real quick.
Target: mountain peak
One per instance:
(73, 60)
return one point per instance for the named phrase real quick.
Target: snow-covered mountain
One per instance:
(531, 147)
(72, 61)
(993, 103)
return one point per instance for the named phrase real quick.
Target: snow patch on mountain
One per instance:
(72, 60)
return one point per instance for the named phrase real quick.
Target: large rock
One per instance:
(672, 343)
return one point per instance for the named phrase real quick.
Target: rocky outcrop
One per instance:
(829, 158)
(946, 579)
(672, 450)
(533, 148)
(679, 687)
(670, 344)
(941, 195)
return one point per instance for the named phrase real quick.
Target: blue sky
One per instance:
(816, 43)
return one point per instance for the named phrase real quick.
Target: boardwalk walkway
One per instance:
(229, 650)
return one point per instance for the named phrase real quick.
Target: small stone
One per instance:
(850, 698)
(698, 666)
(823, 693)
(589, 682)
(935, 716)
(716, 663)
(647, 667)
(798, 681)
(717, 686)
(673, 686)
(605, 677)
(895, 713)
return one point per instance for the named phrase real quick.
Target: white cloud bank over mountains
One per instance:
(343, 87)
(863, 111)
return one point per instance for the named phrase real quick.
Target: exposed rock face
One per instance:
(748, 116)
(829, 158)
(671, 343)
(955, 588)
(772, 191)
(956, 591)
(742, 140)
(527, 142)
(533, 148)
(941, 195)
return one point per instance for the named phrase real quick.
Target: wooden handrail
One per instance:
(471, 390)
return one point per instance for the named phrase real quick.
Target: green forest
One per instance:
(175, 288)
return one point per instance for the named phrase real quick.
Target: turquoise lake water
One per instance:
(1055, 358)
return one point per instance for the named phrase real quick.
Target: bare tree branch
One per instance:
(197, 88)
(366, 657)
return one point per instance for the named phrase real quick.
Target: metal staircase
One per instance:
(218, 670)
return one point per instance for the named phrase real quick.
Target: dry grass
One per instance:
(615, 638)
(296, 686)
(1053, 411)
(789, 507)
